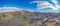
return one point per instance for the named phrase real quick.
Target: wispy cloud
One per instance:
(12, 9)
(45, 4)
(54, 1)
(56, 4)
(8, 9)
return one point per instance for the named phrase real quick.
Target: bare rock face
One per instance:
(23, 18)
(26, 18)
(4, 15)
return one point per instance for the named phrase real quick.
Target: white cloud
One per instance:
(12, 9)
(45, 4)
(54, 1)
(8, 9)
(34, 2)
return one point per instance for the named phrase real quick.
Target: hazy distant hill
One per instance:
(27, 18)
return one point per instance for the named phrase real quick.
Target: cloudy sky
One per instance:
(32, 5)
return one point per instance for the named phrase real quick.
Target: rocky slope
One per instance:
(26, 18)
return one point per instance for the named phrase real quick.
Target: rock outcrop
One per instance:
(27, 18)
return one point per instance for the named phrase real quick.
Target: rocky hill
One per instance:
(27, 18)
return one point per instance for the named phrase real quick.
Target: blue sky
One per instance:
(25, 4)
